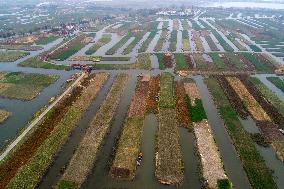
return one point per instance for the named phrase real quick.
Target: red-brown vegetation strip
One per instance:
(124, 164)
(9, 168)
(181, 106)
(153, 98)
(247, 63)
(168, 61)
(228, 63)
(270, 131)
(188, 61)
(233, 97)
(138, 104)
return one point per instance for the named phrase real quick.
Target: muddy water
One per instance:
(153, 43)
(179, 42)
(190, 160)
(274, 164)
(114, 39)
(166, 43)
(154, 62)
(271, 86)
(268, 154)
(215, 40)
(53, 174)
(124, 46)
(249, 125)
(139, 44)
(232, 163)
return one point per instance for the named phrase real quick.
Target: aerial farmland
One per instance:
(105, 95)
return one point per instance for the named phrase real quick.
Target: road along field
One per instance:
(37, 151)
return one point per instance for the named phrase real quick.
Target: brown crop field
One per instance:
(181, 106)
(153, 98)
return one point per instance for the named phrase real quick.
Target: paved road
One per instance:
(37, 120)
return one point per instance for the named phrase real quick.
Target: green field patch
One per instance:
(180, 62)
(24, 86)
(36, 62)
(11, 56)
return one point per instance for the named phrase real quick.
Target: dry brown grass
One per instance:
(252, 105)
(192, 91)
(211, 163)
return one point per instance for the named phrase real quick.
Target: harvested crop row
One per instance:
(37, 162)
(86, 154)
(188, 61)
(169, 167)
(168, 60)
(265, 104)
(152, 100)
(124, 164)
(258, 173)
(181, 106)
(253, 106)
(232, 97)
(211, 163)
